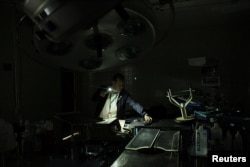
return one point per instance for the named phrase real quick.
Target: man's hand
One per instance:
(147, 118)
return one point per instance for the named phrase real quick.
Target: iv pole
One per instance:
(18, 84)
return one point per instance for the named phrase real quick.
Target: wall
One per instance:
(38, 84)
(6, 59)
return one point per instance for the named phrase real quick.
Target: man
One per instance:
(112, 99)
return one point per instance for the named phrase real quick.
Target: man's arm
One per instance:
(138, 108)
(135, 105)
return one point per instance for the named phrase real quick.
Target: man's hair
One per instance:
(118, 76)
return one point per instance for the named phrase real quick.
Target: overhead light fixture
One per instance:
(131, 26)
(94, 41)
(69, 35)
(90, 63)
(61, 18)
(159, 5)
(127, 53)
(59, 48)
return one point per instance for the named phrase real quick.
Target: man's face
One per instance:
(118, 85)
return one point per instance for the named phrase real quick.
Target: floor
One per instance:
(61, 156)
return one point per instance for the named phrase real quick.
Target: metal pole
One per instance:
(17, 83)
(17, 69)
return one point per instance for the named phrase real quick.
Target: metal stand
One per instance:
(75, 119)
(182, 106)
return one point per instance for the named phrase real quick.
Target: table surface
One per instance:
(139, 159)
(152, 157)
(167, 124)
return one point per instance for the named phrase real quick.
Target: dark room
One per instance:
(123, 83)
